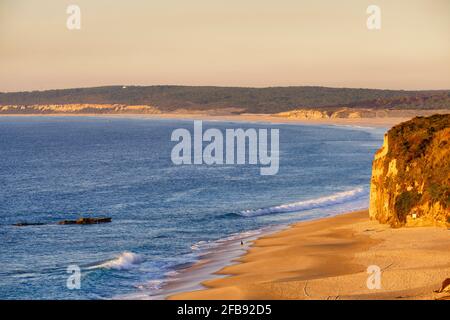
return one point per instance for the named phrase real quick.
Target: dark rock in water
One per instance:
(86, 221)
(63, 222)
(25, 224)
(68, 222)
(93, 220)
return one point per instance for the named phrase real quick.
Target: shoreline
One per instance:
(384, 122)
(325, 258)
(224, 253)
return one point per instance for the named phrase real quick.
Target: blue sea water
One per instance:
(55, 168)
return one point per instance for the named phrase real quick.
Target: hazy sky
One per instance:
(218, 42)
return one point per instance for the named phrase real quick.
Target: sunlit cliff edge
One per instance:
(410, 183)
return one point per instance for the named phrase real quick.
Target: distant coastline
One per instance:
(301, 104)
(386, 122)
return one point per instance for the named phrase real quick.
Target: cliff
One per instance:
(355, 113)
(410, 183)
(77, 109)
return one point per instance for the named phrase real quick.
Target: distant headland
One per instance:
(303, 102)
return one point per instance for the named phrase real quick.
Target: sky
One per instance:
(252, 43)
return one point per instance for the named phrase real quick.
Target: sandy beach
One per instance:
(365, 122)
(385, 122)
(328, 259)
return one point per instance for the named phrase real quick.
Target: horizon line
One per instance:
(220, 86)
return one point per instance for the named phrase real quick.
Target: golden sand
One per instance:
(328, 259)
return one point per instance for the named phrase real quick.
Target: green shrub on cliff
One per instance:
(404, 203)
(411, 139)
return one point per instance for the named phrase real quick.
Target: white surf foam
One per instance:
(326, 201)
(124, 261)
(151, 285)
(205, 246)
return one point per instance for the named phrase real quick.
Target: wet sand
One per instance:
(328, 259)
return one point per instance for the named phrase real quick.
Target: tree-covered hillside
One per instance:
(253, 100)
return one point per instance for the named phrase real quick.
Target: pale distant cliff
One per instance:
(354, 113)
(410, 183)
(77, 109)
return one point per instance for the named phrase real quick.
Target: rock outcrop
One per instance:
(86, 221)
(65, 222)
(410, 183)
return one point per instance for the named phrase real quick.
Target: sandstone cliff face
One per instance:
(410, 183)
(78, 108)
(354, 113)
(305, 114)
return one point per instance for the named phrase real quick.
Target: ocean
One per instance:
(164, 216)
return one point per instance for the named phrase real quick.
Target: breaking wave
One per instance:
(124, 261)
(337, 198)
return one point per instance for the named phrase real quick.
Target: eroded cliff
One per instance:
(410, 183)
(77, 109)
(355, 113)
